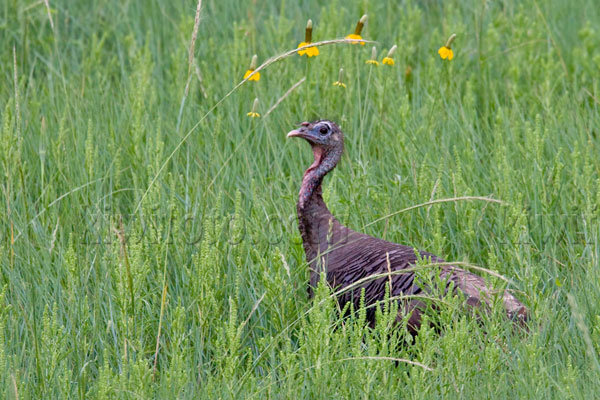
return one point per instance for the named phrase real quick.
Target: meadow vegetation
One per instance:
(149, 246)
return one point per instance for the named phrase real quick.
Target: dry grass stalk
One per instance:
(286, 94)
(190, 62)
(47, 3)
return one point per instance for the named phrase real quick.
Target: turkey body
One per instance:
(360, 262)
(352, 260)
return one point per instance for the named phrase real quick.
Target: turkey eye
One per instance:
(323, 130)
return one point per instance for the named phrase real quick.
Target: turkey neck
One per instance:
(313, 215)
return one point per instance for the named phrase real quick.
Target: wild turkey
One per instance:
(348, 257)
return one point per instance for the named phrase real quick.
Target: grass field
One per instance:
(149, 245)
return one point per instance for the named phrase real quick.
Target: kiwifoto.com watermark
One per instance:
(106, 228)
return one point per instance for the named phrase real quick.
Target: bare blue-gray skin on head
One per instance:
(347, 256)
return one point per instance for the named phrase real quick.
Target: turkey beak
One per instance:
(301, 132)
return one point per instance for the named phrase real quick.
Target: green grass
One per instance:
(112, 242)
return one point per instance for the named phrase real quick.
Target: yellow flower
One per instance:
(253, 113)
(340, 81)
(389, 60)
(358, 30)
(372, 60)
(446, 52)
(309, 51)
(256, 76)
(354, 36)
